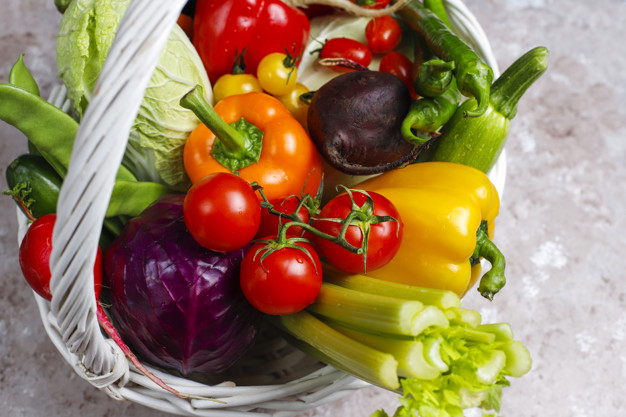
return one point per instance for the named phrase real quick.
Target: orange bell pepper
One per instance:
(286, 161)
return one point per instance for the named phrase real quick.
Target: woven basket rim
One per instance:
(121, 381)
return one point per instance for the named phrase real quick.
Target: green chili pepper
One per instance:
(472, 75)
(428, 115)
(437, 7)
(479, 142)
(433, 77)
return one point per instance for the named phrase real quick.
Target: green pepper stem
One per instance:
(233, 140)
(494, 279)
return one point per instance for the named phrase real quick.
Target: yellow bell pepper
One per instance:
(448, 211)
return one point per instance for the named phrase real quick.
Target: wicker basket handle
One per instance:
(97, 154)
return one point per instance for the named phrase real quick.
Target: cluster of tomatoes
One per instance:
(289, 236)
(281, 272)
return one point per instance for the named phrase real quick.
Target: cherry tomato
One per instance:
(277, 73)
(383, 34)
(399, 65)
(292, 102)
(231, 84)
(34, 257)
(384, 237)
(270, 223)
(222, 212)
(348, 49)
(286, 281)
(371, 4)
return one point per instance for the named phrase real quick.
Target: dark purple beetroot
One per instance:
(355, 120)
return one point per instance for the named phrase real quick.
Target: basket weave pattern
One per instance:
(70, 319)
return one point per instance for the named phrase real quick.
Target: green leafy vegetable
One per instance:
(154, 151)
(448, 363)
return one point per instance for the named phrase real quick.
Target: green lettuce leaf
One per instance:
(156, 140)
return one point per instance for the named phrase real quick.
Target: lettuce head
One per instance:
(155, 146)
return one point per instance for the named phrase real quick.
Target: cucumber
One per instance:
(34, 173)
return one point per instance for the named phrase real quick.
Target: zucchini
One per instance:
(39, 184)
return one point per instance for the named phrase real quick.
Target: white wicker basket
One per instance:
(70, 319)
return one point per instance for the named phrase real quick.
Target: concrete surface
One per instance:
(561, 225)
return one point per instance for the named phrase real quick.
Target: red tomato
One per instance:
(286, 281)
(346, 48)
(399, 65)
(34, 257)
(383, 34)
(270, 223)
(222, 212)
(260, 26)
(384, 237)
(371, 4)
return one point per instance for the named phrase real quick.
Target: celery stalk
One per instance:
(336, 349)
(474, 335)
(429, 296)
(429, 316)
(408, 353)
(488, 372)
(368, 311)
(518, 360)
(464, 316)
(502, 331)
(432, 354)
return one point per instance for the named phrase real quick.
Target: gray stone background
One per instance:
(561, 224)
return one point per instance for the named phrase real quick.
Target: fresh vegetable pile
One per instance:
(322, 172)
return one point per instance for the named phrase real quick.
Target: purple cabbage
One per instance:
(176, 304)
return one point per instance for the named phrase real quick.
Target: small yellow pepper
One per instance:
(448, 212)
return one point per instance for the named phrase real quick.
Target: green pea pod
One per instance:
(428, 115)
(49, 128)
(473, 77)
(130, 198)
(33, 176)
(479, 142)
(21, 77)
